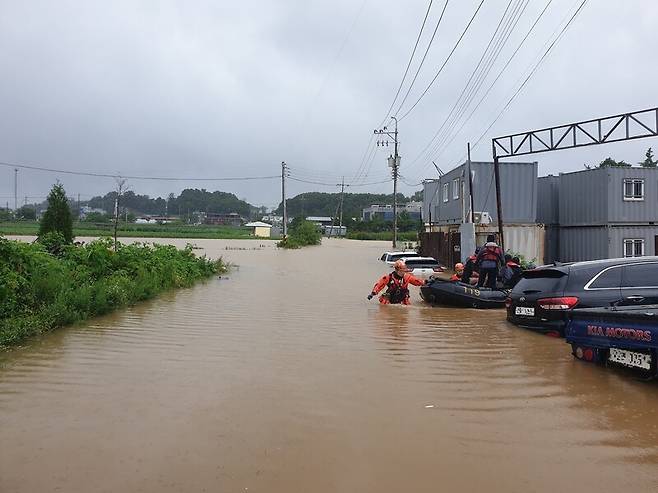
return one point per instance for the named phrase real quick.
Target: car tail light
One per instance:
(508, 302)
(562, 303)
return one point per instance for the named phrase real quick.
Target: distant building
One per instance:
(321, 220)
(260, 229)
(85, 210)
(453, 233)
(224, 219)
(385, 212)
(334, 230)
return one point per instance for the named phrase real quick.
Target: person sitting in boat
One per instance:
(470, 273)
(459, 272)
(511, 273)
(396, 284)
(490, 259)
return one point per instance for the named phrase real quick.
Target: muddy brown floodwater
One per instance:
(284, 378)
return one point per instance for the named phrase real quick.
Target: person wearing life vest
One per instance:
(471, 268)
(511, 273)
(396, 284)
(490, 259)
(459, 272)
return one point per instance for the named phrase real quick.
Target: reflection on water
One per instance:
(283, 377)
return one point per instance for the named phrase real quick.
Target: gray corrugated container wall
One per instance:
(584, 198)
(578, 244)
(642, 211)
(518, 187)
(548, 200)
(596, 197)
(617, 235)
(430, 188)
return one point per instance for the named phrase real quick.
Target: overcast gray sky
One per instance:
(230, 89)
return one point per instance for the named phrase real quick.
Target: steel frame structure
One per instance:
(616, 128)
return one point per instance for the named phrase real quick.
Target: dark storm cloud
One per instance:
(209, 89)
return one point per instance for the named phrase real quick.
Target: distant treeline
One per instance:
(326, 204)
(188, 201)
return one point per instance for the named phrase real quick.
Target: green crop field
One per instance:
(136, 230)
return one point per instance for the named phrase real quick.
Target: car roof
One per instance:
(420, 258)
(602, 262)
(405, 252)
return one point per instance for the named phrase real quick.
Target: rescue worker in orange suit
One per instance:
(459, 272)
(511, 273)
(396, 284)
(470, 273)
(490, 259)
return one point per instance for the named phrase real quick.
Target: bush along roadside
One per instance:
(40, 291)
(302, 233)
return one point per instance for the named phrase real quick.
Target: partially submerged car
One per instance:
(544, 296)
(391, 257)
(422, 267)
(624, 337)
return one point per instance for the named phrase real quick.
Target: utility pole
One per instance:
(121, 187)
(15, 190)
(470, 184)
(283, 199)
(394, 164)
(342, 194)
(499, 208)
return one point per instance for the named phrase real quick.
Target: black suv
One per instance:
(543, 297)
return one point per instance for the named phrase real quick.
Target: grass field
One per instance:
(136, 230)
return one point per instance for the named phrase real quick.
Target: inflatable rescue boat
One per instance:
(440, 292)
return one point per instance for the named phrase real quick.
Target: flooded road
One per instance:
(284, 378)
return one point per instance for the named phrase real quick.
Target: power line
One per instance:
(489, 57)
(118, 175)
(445, 62)
(541, 14)
(420, 66)
(493, 36)
(413, 52)
(548, 50)
(301, 180)
(497, 77)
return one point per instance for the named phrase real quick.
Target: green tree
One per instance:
(57, 218)
(649, 161)
(611, 163)
(26, 212)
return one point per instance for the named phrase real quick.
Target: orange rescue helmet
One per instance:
(400, 265)
(459, 266)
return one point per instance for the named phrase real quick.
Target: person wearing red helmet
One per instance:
(396, 284)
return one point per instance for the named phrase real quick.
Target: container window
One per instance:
(445, 192)
(455, 188)
(633, 247)
(643, 275)
(633, 189)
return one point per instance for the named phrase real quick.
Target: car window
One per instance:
(610, 278)
(640, 275)
(421, 262)
(383, 257)
(541, 280)
(398, 256)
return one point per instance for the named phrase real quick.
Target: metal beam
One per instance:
(616, 128)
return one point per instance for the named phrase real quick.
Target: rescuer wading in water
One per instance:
(397, 284)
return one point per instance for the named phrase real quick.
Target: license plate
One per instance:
(524, 310)
(630, 358)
